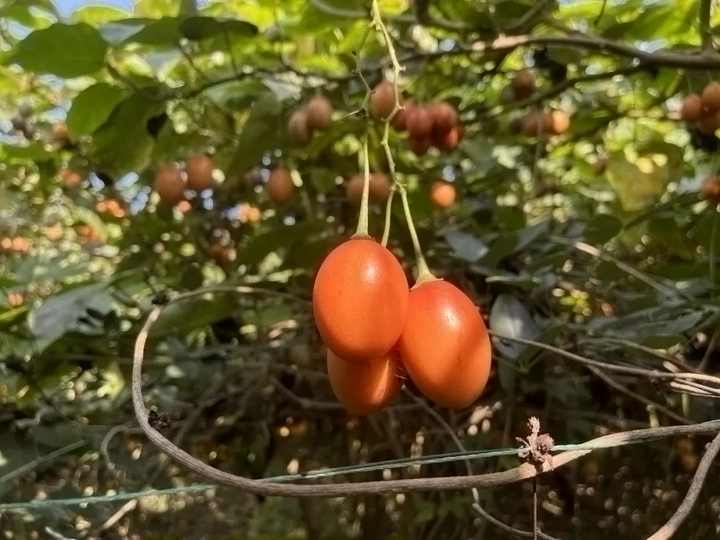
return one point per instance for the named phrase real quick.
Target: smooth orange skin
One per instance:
(445, 345)
(360, 299)
(364, 388)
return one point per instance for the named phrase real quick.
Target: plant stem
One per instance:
(362, 226)
(424, 273)
(388, 218)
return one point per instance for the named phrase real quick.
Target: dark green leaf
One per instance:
(60, 313)
(65, 50)
(260, 134)
(199, 28)
(183, 317)
(123, 143)
(602, 228)
(466, 246)
(92, 107)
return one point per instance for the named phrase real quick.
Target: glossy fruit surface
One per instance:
(399, 121)
(443, 194)
(319, 113)
(382, 100)
(364, 388)
(280, 186)
(169, 184)
(360, 299)
(445, 345)
(199, 171)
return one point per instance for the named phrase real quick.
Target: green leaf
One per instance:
(65, 50)
(182, 317)
(199, 28)
(466, 246)
(509, 317)
(92, 107)
(60, 313)
(602, 228)
(35, 151)
(123, 144)
(259, 134)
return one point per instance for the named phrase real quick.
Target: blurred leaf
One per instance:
(60, 313)
(180, 318)
(259, 134)
(466, 246)
(509, 317)
(34, 151)
(641, 180)
(65, 50)
(123, 143)
(602, 228)
(199, 28)
(92, 107)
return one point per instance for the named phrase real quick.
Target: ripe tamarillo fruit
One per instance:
(692, 108)
(298, 128)
(360, 299)
(444, 345)
(169, 183)
(364, 388)
(419, 121)
(319, 113)
(382, 100)
(199, 171)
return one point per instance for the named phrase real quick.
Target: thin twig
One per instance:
(673, 524)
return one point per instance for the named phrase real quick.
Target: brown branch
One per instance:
(673, 524)
(261, 487)
(703, 61)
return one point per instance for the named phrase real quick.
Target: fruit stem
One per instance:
(363, 219)
(424, 273)
(377, 23)
(388, 217)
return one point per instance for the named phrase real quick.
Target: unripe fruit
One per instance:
(169, 184)
(319, 112)
(692, 108)
(420, 145)
(280, 186)
(382, 100)
(444, 345)
(379, 187)
(419, 121)
(523, 84)
(360, 299)
(711, 96)
(558, 122)
(298, 129)
(444, 116)
(443, 194)
(364, 388)
(199, 171)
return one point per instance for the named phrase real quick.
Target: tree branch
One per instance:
(704, 61)
(265, 487)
